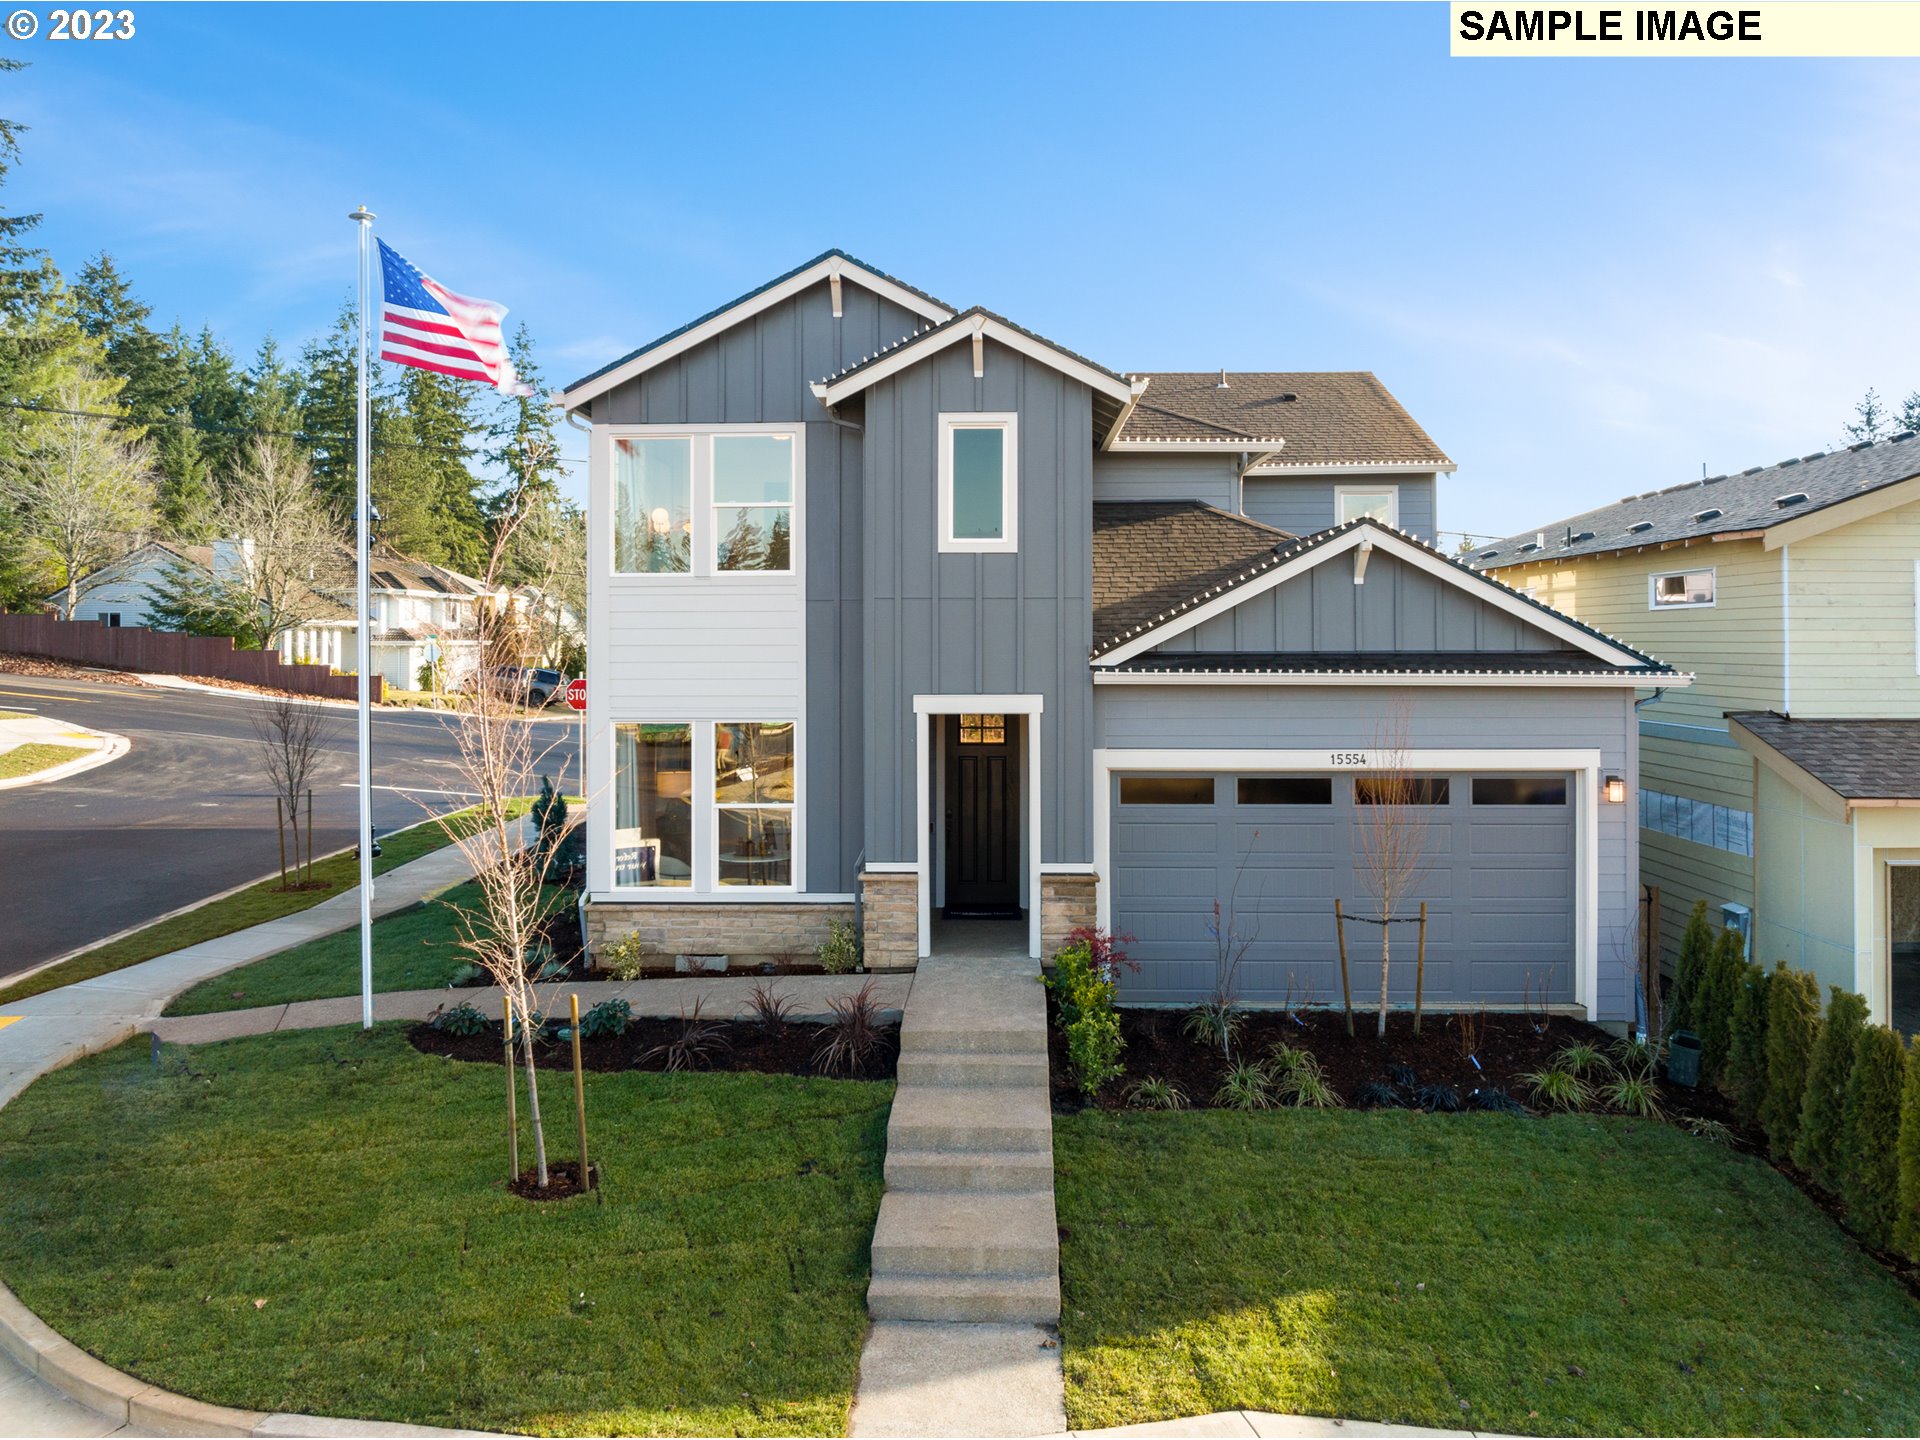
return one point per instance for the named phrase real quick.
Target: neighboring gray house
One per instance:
(906, 611)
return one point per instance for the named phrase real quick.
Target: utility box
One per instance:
(1739, 919)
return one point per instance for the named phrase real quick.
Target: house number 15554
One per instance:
(1348, 758)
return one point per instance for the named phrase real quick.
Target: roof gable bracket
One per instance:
(980, 349)
(1136, 388)
(833, 284)
(1362, 553)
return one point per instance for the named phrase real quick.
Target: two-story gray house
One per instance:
(904, 612)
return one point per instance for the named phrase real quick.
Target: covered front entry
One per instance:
(1498, 869)
(980, 804)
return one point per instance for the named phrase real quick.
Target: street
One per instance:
(188, 812)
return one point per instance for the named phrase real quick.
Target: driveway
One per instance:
(188, 812)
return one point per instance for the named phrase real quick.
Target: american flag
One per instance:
(424, 324)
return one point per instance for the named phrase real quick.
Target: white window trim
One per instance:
(1712, 572)
(1392, 519)
(714, 807)
(1583, 765)
(701, 560)
(1008, 423)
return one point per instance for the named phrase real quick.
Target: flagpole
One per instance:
(363, 646)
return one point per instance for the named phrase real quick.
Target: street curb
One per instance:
(113, 749)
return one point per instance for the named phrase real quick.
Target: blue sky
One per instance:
(1586, 278)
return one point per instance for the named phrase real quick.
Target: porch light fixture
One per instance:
(1616, 790)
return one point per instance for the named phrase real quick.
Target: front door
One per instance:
(983, 816)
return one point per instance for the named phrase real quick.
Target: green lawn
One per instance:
(1581, 1275)
(36, 756)
(356, 1188)
(251, 906)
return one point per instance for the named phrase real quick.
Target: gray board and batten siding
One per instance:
(943, 623)
(760, 371)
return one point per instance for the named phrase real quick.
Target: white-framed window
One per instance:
(1382, 502)
(1672, 589)
(704, 501)
(727, 822)
(980, 483)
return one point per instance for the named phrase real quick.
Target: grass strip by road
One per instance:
(252, 906)
(317, 1222)
(1577, 1275)
(413, 949)
(35, 756)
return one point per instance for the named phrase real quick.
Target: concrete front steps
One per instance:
(967, 1230)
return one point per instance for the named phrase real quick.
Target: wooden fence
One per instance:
(160, 652)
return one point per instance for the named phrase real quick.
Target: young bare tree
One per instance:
(83, 495)
(499, 754)
(293, 737)
(292, 563)
(1390, 830)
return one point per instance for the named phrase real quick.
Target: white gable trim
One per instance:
(1397, 545)
(1395, 679)
(832, 392)
(832, 268)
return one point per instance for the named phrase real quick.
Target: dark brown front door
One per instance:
(983, 816)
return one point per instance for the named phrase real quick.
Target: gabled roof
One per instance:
(1862, 761)
(911, 349)
(1756, 500)
(1294, 556)
(761, 297)
(1317, 419)
(1149, 555)
(1359, 664)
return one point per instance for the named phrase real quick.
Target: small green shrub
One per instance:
(1713, 1003)
(1636, 1054)
(1696, 948)
(624, 959)
(1906, 1229)
(1745, 1079)
(1870, 1137)
(839, 953)
(463, 1019)
(608, 1018)
(465, 973)
(1793, 1026)
(1154, 1093)
(1579, 1059)
(1093, 1050)
(1634, 1092)
(1284, 1059)
(1305, 1085)
(1247, 1087)
(1823, 1112)
(1561, 1089)
(1084, 991)
(1215, 1024)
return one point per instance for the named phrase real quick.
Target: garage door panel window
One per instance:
(1519, 790)
(1166, 790)
(1284, 790)
(1390, 790)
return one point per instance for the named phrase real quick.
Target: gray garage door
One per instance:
(1275, 851)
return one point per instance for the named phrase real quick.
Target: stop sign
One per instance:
(577, 693)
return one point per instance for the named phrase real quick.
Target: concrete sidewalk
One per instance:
(90, 747)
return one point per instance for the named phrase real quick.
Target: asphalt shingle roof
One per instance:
(1324, 417)
(1151, 555)
(956, 322)
(1755, 499)
(1858, 759)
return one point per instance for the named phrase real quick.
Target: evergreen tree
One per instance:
(1713, 1006)
(522, 444)
(442, 425)
(270, 395)
(189, 601)
(1869, 421)
(1746, 1072)
(328, 403)
(218, 406)
(1793, 1027)
(1910, 412)
(1696, 948)
(185, 496)
(27, 277)
(1870, 1134)
(1906, 1229)
(1823, 1112)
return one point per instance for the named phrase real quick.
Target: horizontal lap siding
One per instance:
(1853, 617)
(1208, 478)
(1805, 864)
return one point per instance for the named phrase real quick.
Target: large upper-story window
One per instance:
(979, 483)
(704, 503)
(1681, 587)
(1382, 502)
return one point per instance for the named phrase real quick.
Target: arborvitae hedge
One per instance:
(1823, 1113)
(1793, 1025)
(1714, 1001)
(1746, 1073)
(1906, 1228)
(1870, 1135)
(1696, 948)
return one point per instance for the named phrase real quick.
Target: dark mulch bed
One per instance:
(1510, 1046)
(563, 1181)
(741, 1046)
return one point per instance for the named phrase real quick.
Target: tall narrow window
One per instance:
(753, 796)
(652, 505)
(979, 487)
(653, 805)
(753, 502)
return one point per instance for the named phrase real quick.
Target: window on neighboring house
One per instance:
(979, 483)
(652, 505)
(112, 618)
(753, 802)
(1382, 502)
(753, 502)
(653, 805)
(1680, 587)
(1720, 826)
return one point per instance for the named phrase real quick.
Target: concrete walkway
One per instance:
(90, 747)
(966, 1251)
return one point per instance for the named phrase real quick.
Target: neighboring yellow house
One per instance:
(1783, 788)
